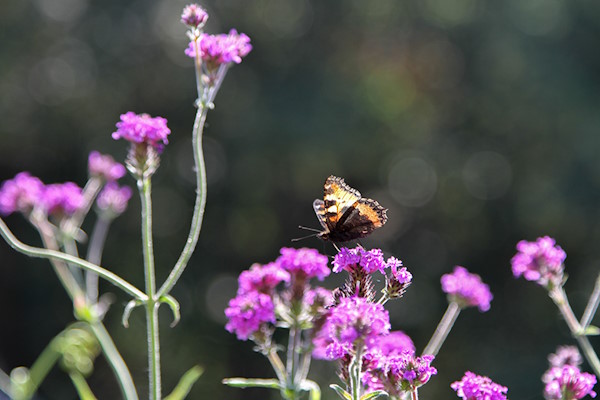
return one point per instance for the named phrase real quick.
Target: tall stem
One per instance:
(414, 395)
(559, 297)
(355, 371)
(94, 255)
(145, 187)
(442, 330)
(592, 305)
(277, 364)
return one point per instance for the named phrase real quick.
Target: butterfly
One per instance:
(344, 214)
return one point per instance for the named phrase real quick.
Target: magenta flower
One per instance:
(568, 383)
(540, 261)
(353, 322)
(395, 343)
(350, 259)
(22, 193)
(376, 359)
(194, 16)
(405, 372)
(143, 129)
(105, 167)
(216, 50)
(248, 312)
(477, 387)
(400, 279)
(62, 199)
(113, 198)
(262, 278)
(565, 355)
(304, 263)
(317, 298)
(467, 289)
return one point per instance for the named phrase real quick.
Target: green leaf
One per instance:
(246, 383)
(591, 331)
(313, 388)
(341, 392)
(128, 309)
(174, 305)
(185, 383)
(373, 395)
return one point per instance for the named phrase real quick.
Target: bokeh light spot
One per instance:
(412, 181)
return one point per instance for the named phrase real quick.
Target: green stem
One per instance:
(592, 306)
(290, 367)
(57, 255)
(277, 365)
(94, 255)
(355, 371)
(41, 367)
(115, 361)
(5, 383)
(559, 297)
(145, 187)
(199, 206)
(83, 389)
(443, 328)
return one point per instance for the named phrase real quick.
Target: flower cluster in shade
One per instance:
(540, 261)
(477, 387)
(142, 128)
(466, 289)
(353, 322)
(113, 198)
(564, 380)
(105, 167)
(194, 16)
(221, 49)
(254, 305)
(24, 192)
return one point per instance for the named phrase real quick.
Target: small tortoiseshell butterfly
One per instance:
(344, 214)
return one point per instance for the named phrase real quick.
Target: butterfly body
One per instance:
(344, 214)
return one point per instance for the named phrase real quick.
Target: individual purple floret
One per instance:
(262, 278)
(540, 261)
(194, 16)
(349, 259)
(22, 193)
(477, 387)
(247, 312)
(304, 263)
(216, 50)
(353, 322)
(62, 198)
(568, 383)
(105, 167)
(467, 289)
(114, 198)
(565, 355)
(142, 128)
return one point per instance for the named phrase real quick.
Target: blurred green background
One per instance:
(475, 122)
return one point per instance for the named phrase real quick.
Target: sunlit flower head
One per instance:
(305, 262)
(467, 289)
(142, 128)
(477, 387)
(540, 261)
(247, 312)
(568, 383)
(262, 278)
(216, 50)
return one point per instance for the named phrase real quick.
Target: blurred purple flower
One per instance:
(105, 167)
(304, 263)
(477, 387)
(114, 198)
(221, 49)
(568, 383)
(194, 16)
(22, 193)
(540, 261)
(142, 129)
(247, 312)
(62, 198)
(565, 355)
(467, 289)
(262, 278)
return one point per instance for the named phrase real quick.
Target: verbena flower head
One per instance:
(114, 198)
(568, 383)
(62, 199)
(105, 167)
(217, 50)
(304, 262)
(467, 289)
(22, 193)
(376, 359)
(317, 299)
(405, 372)
(400, 279)
(540, 261)
(247, 312)
(142, 128)
(354, 322)
(351, 259)
(194, 16)
(477, 387)
(262, 278)
(565, 355)
(395, 343)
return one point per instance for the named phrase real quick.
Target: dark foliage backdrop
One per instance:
(476, 123)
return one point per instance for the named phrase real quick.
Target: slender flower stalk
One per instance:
(592, 306)
(443, 328)
(94, 255)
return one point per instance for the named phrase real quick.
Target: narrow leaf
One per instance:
(174, 306)
(591, 331)
(245, 383)
(185, 383)
(373, 395)
(341, 392)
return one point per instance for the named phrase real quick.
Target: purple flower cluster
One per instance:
(22, 194)
(62, 198)
(540, 261)
(114, 198)
(143, 128)
(477, 387)
(467, 289)
(194, 16)
(247, 312)
(221, 49)
(398, 374)
(262, 278)
(565, 355)
(304, 262)
(353, 322)
(568, 383)
(369, 260)
(105, 167)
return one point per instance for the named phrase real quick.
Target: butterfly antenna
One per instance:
(309, 229)
(337, 248)
(304, 237)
